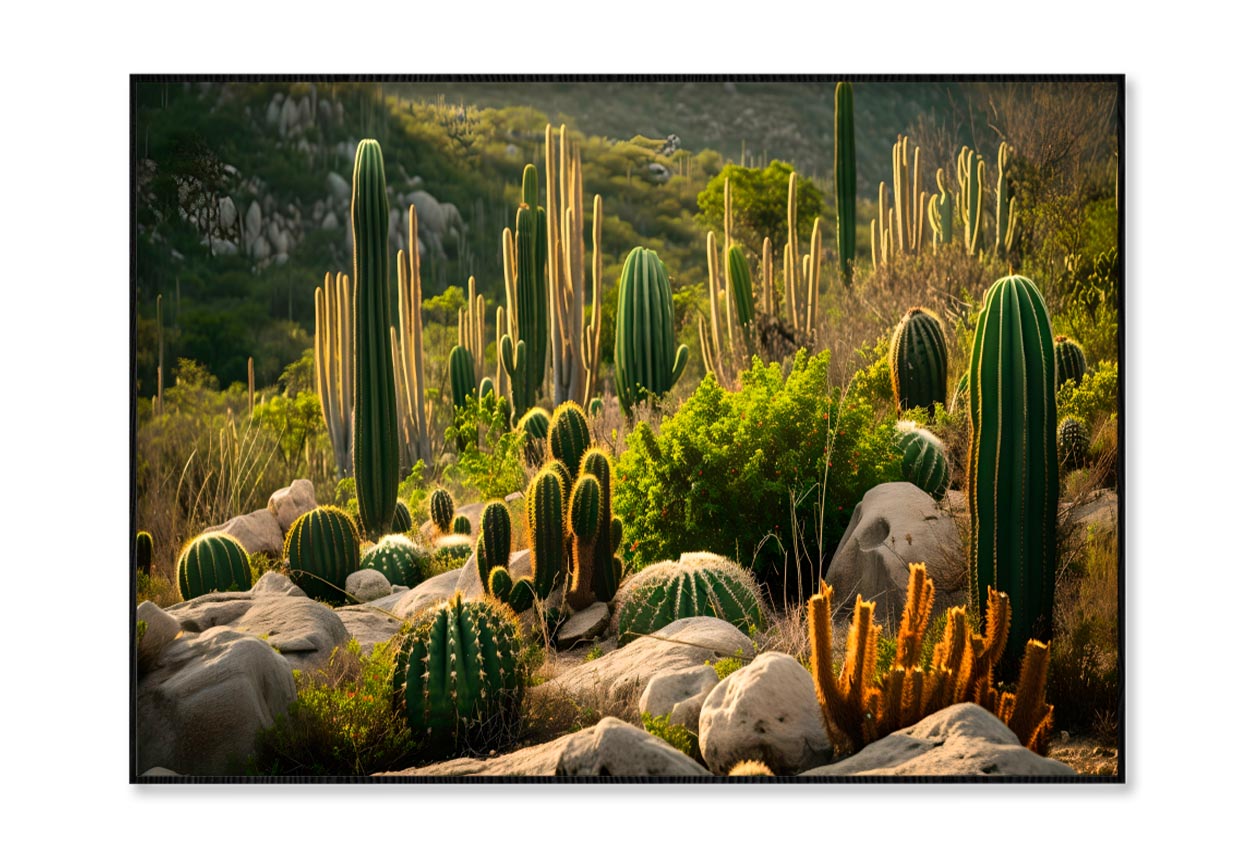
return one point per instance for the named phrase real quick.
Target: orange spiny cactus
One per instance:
(919, 598)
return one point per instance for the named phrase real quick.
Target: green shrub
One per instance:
(1093, 399)
(342, 722)
(677, 736)
(725, 666)
(491, 462)
(767, 475)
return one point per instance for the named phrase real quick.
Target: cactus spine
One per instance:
(333, 364)
(440, 508)
(143, 552)
(583, 526)
(923, 459)
(523, 340)
(213, 562)
(697, 585)
(940, 213)
(545, 505)
(845, 181)
(375, 443)
(457, 678)
(970, 177)
(399, 559)
(322, 548)
(407, 352)
(495, 538)
(1012, 483)
(1071, 363)
(646, 359)
(1006, 210)
(919, 361)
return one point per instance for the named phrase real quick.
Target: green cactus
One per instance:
(595, 407)
(741, 282)
(919, 361)
(499, 583)
(461, 525)
(1073, 443)
(402, 520)
(970, 175)
(924, 459)
(487, 387)
(143, 552)
(461, 375)
(568, 436)
(495, 538)
(402, 561)
(322, 548)
(615, 534)
(458, 678)
(1012, 471)
(213, 562)
(606, 575)
(1006, 209)
(534, 426)
(375, 436)
(646, 360)
(1071, 363)
(697, 585)
(961, 394)
(453, 546)
(522, 595)
(545, 504)
(440, 508)
(940, 213)
(525, 354)
(583, 526)
(845, 181)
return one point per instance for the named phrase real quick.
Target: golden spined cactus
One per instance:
(1025, 712)
(412, 408)
(471, 325)
(849, 701)
(897, 230)
(749, 767)
(919, 599)
(333, 364)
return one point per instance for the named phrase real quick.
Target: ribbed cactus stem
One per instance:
(408, 350)
(1006, 211)
(940, 213)
(334, 364)
(375, 443)
(646, 359)
(568, 436)
(322, 548)
(461, 375)
(918, 361)
(845, 181)
(440, 508)
(546, 531)
(606, 574)
(1071, 362)
(213, 562)
(495, 538)
(583, 525)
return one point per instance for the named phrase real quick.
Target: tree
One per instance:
(759, 202)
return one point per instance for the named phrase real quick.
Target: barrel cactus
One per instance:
(453, 547)
(321, 550)
(143, 552)
(919, 361)
(1071, 363)
(568, 436)
(1073, 443)
(924, 460)
(440, 508)
(401, 560)
(697, 585)
(1012, 482)
(458, 678)
(213, 562)
(644, 353)
(461, 525)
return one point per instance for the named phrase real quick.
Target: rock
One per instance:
(367, 625)
(610, 748)
(613, 683)
(199, 710)
(894, 525)
(273, 583)
(398, 588)
(219, 247)
(289, 117)
(154, 772)
(252, 223)
(291, 502)
(1099, 512)
(584, 626)
(227, 214)
(259, 248)
(766, 711)
(258, 532)
(367, 585)
(160, 629)
(330, 221)
(338, 187)
(429, 593)
(960, 740)
(303, 631)
(615, 748)
(679, 694)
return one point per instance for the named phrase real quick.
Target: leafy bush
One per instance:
(491, 463)
(342, 722)
(677, 736)
(767, 475)
(1093, 399)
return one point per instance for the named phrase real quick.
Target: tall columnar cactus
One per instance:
(970, 179)
(213, 562)
(322, 549)
(1006, 209)
(607, 568)
(919, 361)
(495, 538)
(845, 180)
(402, 561)
(143, 552)
(646, 359)
(458, 679)
(375, 439)
(1073, 442)
(583, 526)
(523, 339)
(698, 585)
(741, 290)
(568, 436)
(333, 364)
(1071, 363)
(1012, 483)
(534, 428)
(545, 514)
(924, 461)
(461, 375)
(940, 213)
(440, 509)
(407, 351)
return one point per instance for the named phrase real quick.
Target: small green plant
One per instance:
(594, 653)
(677, 736)
(492, 466)
(725, 666)
(1092, 399)
(141, 628)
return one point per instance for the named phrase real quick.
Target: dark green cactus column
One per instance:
(1071, 363)
(845, 180)
(440, 508)
(583, 525)
(919, 361)
(545, 513)
(375, 441)
(461, 375)
(530, 351)
(143, 552)
(742, 290)
(495, 536)
(568, 436)
(606, 573)
(645, 358)
(1012, 471)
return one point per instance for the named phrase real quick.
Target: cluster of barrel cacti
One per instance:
(696, 585)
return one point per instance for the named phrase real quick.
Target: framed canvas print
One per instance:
(730, 430)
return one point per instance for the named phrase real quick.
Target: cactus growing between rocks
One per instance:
(749, 767)
(919, 361)
(495, 538)
(143, 552)
(461, 525)
(399, 559)
(458, 678)
(375, 438)
(1073, 442)
(322, 548)
(697, 585)
(440, 509)
(402, 519)
(453, 546)
(606, 568)
(583, 526)
(1013, 472)
(924, 460)
(646, 361)
(1071, 363)
(545, 505)
(213, 562)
